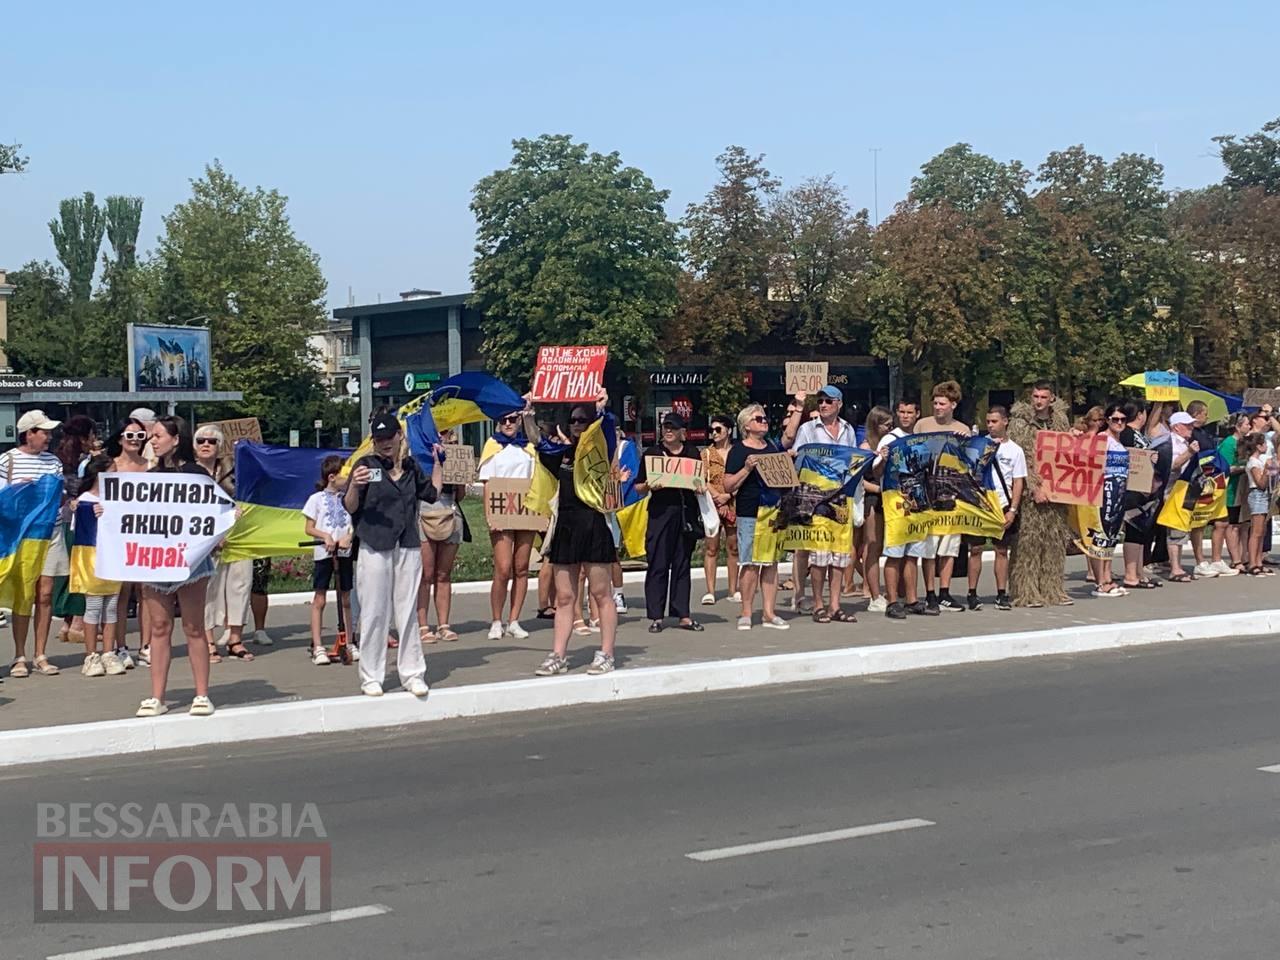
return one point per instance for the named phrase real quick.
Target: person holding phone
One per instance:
(383, 497)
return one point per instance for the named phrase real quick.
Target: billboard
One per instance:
(168, 358)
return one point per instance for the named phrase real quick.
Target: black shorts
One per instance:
(1233, 514)
(581, 536)
(969, 541)
(323, 576)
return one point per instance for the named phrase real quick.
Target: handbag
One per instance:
(437, 523)
(692, 518)
(710, 516)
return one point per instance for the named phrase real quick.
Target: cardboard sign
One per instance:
(459, 463)
(678, 472)
(569, 374)
(613, 492)
(777, 470)
(1259, 396)
(1071, 468)
(1162, 386)
(246, 428)
(504, 507)
(1142, 470)
(806, 377)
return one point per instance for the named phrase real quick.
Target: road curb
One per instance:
(345, 714)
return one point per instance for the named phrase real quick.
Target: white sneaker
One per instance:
(92, 666)
(418, 687)
(776, 623)
(355, 652)
(744, 623)
(495, 630)
(261, 639)
(201, 707)
(151, 707)
(144, 656)
(1225, 569)
(1205, 570)
(123, 656)
(371, 689)
(619, 601)
(737, 596)
(112, 665)
(319, 657)
(708, 599)
(878, 605)
(517, 632)
(600, 663)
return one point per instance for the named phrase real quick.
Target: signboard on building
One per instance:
(17, 383)
(414, 382)
(169, 358)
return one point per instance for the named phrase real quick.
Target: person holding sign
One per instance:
(442, 531)
(1038, 560)
(508, 454)
(675, 525)
(941, 550)
(171, 443)
(382, 497)
(742, 480)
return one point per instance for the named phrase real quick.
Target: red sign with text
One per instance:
(1071, 467)
(569, 374)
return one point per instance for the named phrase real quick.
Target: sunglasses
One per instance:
(826, 399)
(717, 429)
(579, 420)
(1118, 419)
(759, 419)
(204, 440)
(511, 419)
(138, 435)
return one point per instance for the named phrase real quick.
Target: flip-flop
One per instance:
(1140, 585)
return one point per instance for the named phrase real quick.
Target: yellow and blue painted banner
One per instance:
(937, 484)
(1199, 494)
(28, 514)
(1096, 530)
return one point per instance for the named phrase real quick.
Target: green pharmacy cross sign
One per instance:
(419, 381)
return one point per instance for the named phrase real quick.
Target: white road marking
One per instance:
(1275, 768)
(809, 839)
(226, 933)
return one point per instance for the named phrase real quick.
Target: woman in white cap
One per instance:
(27, 462)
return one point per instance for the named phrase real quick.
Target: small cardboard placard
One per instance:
(459, 463)
(504, 507)
(1162, 386)
(674, 472)
(569, 374)
(613, 492)
(1258, 396)
(1142, 470)
(806, 376)
(245, 428)
(777, 470)
(1071, 468)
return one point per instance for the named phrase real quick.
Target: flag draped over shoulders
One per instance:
(28, 513)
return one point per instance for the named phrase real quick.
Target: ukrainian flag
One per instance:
(633, 516)
(937, 484)
(272, 485)
(84, 554)
(1169, 385)
(1199, 495)
(28, 513)
(593, 461)
(819, 512)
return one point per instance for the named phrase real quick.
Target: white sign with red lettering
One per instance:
(157, 527)
(569, 374)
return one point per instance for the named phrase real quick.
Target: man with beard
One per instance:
(1037, 563)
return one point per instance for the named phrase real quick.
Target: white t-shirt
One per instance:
(1256, 463)
(511, 461)
(17, 466)
(1012, 462)
(325, 510)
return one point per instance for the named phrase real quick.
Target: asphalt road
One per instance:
(1097, 806)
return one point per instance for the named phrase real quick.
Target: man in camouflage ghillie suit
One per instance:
(1038, 560)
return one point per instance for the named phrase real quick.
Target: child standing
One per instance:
(328, 521)
(101, 597)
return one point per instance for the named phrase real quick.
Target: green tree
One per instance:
(970, 181)
(119, 301)
(230, 253)
(77, 237)
(39, 315)
(572, 248)
(1252, 161)
(11, 158)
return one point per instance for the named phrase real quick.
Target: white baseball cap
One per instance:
(1180, 418)
(36, 420)
(144, 415)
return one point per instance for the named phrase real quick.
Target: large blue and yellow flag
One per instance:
(1169, 385)
(1199, 495)
(818, 513)
(84, 553)
(593, 461)
(272, 485)
(633, 514)
(28, 513)
(938, 484)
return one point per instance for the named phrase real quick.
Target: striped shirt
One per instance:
(17, 466)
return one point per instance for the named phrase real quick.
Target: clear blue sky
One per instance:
(376, 118)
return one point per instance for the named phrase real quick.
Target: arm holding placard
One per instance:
(795, 416)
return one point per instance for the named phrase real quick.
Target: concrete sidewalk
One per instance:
(283, 674)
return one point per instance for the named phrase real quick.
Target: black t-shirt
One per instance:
(561, 467)
(191, 467)
(667, 498)
(746, 502)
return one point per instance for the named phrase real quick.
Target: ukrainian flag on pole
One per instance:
(28, 513)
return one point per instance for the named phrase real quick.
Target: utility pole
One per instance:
(875, 180)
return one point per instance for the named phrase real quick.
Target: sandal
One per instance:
(840, 616)
(19, 668)
(1141, 585)
(447, 633)
(43, 666)
(821, 616)
(547, 613)
(426, 634)
(1257, 572)
(239, 651)
(580, 628)
(1180, 578)
(214, 656)
(787, 584)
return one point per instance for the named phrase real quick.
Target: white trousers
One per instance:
(388, 584)
(227, 599)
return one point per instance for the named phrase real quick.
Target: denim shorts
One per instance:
(746, 540)
(1259, 502)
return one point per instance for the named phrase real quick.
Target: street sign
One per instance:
(419, 381)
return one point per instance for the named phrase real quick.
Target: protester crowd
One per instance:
(386, 531)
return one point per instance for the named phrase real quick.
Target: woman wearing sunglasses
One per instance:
(227, 601)
(508, 454)
(125, 447)
(741, 480)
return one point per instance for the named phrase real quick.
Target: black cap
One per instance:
(673, 420)
(384, 426)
